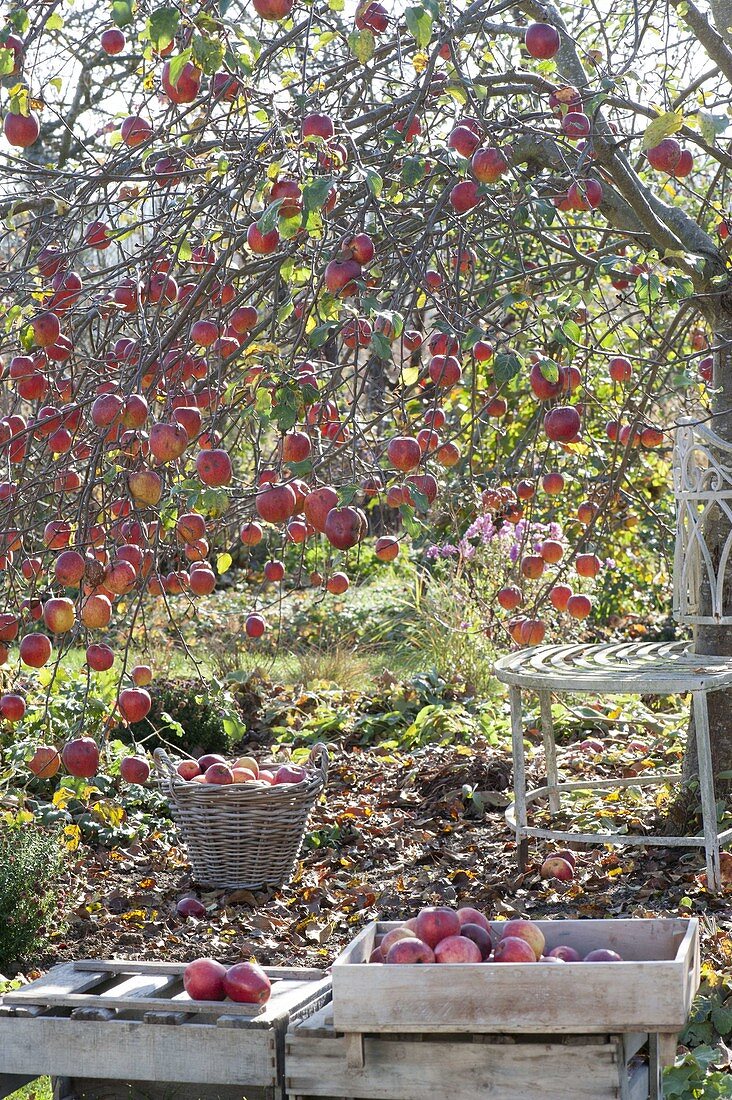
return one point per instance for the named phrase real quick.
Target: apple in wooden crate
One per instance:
(247, 983)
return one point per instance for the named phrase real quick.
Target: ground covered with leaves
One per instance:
(419, 781)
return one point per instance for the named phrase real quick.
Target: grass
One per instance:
(40, 1089)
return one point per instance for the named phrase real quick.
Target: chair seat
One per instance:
(632, 668)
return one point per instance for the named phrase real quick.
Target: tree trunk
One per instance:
(717, 640)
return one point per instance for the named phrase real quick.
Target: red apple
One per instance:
(45, 762)
(247, 983)
(21, 130)
(134, 704)
(458, 949)
(542, 40)
(203, 980)
(35, 650)
(665, 156)
(525, 930)
(134, 769)
(12, 707)
(219, 774)
(602, 955)
(511, 949)
(468, 915)
(567, 954)
(410, 952)
(205, 762)
(190, 907)
(81, 757)
(480, 937)
(556, 867)
(290, 773)
(112, 41)
(345, 527)
(436, 923)
(562, 424)
(187, 769)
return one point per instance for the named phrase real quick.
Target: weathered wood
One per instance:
(650, 990)
(407, 1070)
(706, 790)
(150, 1037)
(192, 1052)
(550, 749)
(137, 966)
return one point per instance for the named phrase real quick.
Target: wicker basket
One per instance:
(243, 838)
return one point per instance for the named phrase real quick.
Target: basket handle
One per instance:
(319, 759)
(166, 766)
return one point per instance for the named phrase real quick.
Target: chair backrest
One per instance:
(703, 551)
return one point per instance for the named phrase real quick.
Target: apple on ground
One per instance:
(190, 907)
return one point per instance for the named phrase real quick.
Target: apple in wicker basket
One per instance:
(188, 769)
(247, 983)
(290, 773)
(249, 763)
(219, 774)
(203, 980)
(205, 762)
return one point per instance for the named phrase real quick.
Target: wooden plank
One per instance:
(404, 1070)
(88, 1000)
(135, 966)
(651, 990)
(117, 1049)
(63, 978)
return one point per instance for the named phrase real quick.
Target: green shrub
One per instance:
(30, 861)
(189, 715)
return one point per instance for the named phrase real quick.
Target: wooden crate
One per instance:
(132, 1022)
(463, 1067)
(651, 990)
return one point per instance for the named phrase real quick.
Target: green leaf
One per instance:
(412, 171)
(419, 22)
(711, 125)
(549, 370)
(162, 26)
(269, 219)
(506, 366)
(122, 12)
(208, 53)
(223, 562)
(7, 62)
(177, 65)
(54, 22)
(322, 333)
(380, 345)
(362, 45)
(315, 193)
(670, 122)
(374, 182)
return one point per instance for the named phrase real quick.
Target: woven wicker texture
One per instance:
(243, 838)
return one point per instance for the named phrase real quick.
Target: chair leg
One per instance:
(519, 773)
(706, 785)
(550, 749)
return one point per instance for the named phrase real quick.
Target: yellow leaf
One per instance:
(668, 123)
(420, 61)
(108, 812)
(72, 837)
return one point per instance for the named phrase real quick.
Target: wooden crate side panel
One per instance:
(636, 940)
(116, 1049)
(510, 997)
(404, 1070)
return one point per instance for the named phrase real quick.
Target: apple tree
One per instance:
(305, 276)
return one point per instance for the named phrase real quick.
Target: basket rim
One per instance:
(179, 790)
